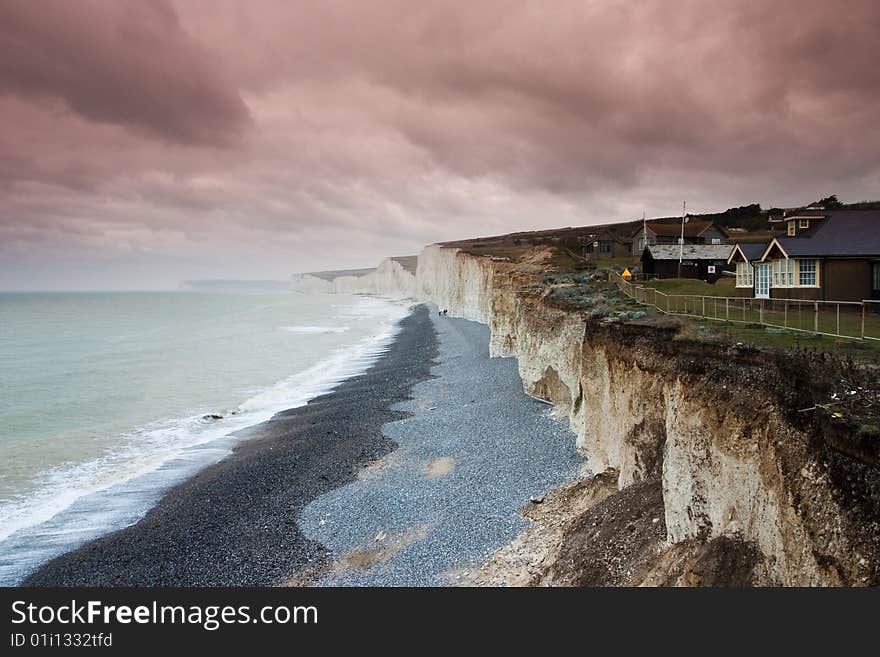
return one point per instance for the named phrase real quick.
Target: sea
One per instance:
(109, 399)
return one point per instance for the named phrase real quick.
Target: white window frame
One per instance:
(782, 273)
(803, 223)
(716, 240)
(791, 229)
(762, 269)
(745, 275)
(786, 273)
(815, 272)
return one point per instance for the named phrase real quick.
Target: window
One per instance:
(807, 272)
(744, 274)
(804, 223)
(782, 273)
(791, 229)
(716, 240)
(605, 246)
(876, 276)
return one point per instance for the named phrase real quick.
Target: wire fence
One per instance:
(858, 320)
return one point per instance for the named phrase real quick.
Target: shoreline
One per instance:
(96, 466)
(234, 523)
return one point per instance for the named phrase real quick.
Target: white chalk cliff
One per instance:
(709, 424)
(389, 279)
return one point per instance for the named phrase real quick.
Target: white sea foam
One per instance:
(74, 503)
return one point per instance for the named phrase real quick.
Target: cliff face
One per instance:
(717, 427)
(456, 282)
(389, 279)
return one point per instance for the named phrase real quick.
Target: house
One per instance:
(703, 261)
(695, 232)
(823, 255)
(606, 244)
(744, 256)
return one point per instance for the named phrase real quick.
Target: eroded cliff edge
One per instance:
(711, 471)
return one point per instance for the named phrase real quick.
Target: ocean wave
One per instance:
(74, 503)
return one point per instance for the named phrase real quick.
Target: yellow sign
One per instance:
(626, 275)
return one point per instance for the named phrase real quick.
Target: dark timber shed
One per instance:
(703, 261)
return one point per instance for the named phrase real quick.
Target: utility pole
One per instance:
(644, 243)
(681, 240)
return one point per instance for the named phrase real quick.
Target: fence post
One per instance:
(785, 314)
(838, 319)
(815, 316)
(704, 306)
(761, 313)
(863, 320)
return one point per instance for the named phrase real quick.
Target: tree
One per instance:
(831, 202)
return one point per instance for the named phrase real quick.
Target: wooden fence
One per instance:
(858, 320)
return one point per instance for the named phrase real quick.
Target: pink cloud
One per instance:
(202, 126)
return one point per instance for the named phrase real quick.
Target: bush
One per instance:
(632, 314)
(577, 296)
(561, 279)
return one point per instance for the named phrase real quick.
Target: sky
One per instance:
(145, 142)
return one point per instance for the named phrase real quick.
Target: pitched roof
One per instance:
(691, 229)
(608, 234)
(690, 251)
(752, 250)
(843, 233)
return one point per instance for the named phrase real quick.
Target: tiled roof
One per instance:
(842, 233)
(690, 251)
(753, 250)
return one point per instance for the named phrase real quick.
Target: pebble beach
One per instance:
(407, 475)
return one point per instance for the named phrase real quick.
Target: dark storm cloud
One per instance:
(126, 62)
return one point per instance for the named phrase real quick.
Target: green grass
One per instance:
(735, 319)
(724, 287)
(497, 251)
(863, 350)
(615, 263)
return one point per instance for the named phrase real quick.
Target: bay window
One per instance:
(783, 273)
(744, 276)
